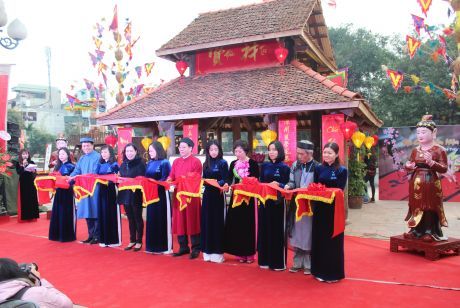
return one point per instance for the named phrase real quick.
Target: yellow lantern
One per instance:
(369, 142)
(358, 139)
(146, 141)
(268, 136)
(255, 143)
(165, 142)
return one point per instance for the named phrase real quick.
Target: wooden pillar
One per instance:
(236, 128)
(249, 127)
(202, 126)
(315, 117)
(171, 133)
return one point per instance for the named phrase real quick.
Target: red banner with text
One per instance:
(287, 135)
(125, 136)
(332, 133)
(191, 131)
(256, 54)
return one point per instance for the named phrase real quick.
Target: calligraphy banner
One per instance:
(233, 57)
(287, 135)
(332, 133)
(191, 131)
(125, 136)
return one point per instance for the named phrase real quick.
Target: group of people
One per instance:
(212, 225)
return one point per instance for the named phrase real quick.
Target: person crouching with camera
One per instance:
(23, 282)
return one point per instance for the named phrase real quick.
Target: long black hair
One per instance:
(112, 154)
(9, 269)
(59, 162)
(280, 149)
(220, 155)
(135, 149)
(158, 147)
(29, 159)
(334, 147)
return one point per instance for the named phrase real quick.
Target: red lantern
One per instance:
(376, 140)
(281, 54)
(111, 140)
(348, 128)
(181, 67)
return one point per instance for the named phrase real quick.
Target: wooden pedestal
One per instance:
(433, 250)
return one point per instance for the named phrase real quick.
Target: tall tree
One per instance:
(364, 53)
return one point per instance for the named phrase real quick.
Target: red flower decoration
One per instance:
(6, 157)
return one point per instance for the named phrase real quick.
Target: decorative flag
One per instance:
(100, 29)
(129, 51)
(148, 67)
(428, 89)
(412, 45)
(419, 23)
(72, 100)
(114, 24)
(448, 31)
(407, 89)
(128, 32)
(425, 5)
(100, 54)
(93, 59)
(340, 78)
(138, 89)
(138, 71)
(89, 84)
(101, 67)
(434, 56)
(449, 94)
(97, 42)
(396, 78)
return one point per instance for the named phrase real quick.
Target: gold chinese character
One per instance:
(250, 52)
(216, 55)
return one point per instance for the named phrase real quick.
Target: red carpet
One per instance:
(109, 277)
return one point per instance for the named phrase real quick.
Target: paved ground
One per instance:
(383, 219)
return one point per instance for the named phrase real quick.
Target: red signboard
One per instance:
(125, 136)
(191, 131)
(331, 132)
(287, 135)
(255, 54)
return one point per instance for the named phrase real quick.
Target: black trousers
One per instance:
(183, 242)
(371, 182)
(136, 223)
(93, 228)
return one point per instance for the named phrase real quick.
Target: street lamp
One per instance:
(16, 30)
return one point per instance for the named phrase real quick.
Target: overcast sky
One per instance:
(66, 26)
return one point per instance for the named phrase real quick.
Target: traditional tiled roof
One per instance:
(238, 23)
(291, 88)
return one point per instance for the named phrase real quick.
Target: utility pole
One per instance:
(48, 62)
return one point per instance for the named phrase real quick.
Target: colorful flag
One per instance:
(114, 24)
(100, 29)
(138, 89)
(148, 67)
(129, 51)
(412, 45)
(138, 71)
(128, 32)
(425, 5)
(340, 78)
(97, 42)
(396, 78)
(89, 84)
(419, 23)
(100, 54)
(93, 59)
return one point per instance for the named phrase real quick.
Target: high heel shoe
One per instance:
(137, 248)
(130, 246)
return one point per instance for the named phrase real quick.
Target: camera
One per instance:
(27, 268)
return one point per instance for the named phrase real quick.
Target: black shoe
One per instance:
(194, 254)
(94, 241)
(180, 253)
(87, 241)
(130, 246)
(137, 248)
